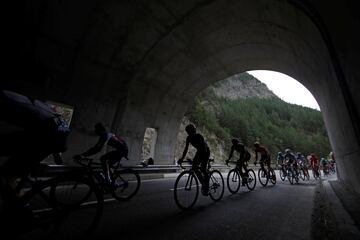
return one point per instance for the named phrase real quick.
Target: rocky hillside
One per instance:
(241, 85)
(235, 87)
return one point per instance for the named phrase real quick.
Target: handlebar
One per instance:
(186, 161)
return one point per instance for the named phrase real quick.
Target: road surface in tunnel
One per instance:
(280, 212)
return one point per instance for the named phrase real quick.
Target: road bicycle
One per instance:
(186, 189)
(292, 173)
(41, 210)
(234, 179)
(124, 182)
(266, 174)
(303, 172)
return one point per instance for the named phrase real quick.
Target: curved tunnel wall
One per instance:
(138, 64)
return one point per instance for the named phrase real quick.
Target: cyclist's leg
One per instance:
(104, 159)
(196, 167)
(204, 160)
(240, 165)
(204, 166)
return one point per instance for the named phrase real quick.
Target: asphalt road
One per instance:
(282, 211)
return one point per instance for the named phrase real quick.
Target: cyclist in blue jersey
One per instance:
(112, 140)
(280, 159)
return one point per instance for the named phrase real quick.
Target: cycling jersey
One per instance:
(261, 150)
(280, 158)
(290, 157)
(244, 154)
(313, 160)
(109, 139)
(198, 142)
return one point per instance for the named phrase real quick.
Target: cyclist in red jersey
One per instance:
(314, 162)
(264, 154)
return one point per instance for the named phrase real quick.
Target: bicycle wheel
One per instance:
(125, 184)
(272, 176)
(233, 181)
(302, 174)
(315, 174)
(263, 179)
(251, 179)
(282, 174)
(186, 190)
(65, 188)
(58, 209)
(216, 185)
(290, 177)
(296, 176)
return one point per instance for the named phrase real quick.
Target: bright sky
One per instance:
(287, 88)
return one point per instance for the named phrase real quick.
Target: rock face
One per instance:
(241, 85)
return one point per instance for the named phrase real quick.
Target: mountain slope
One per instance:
(243, 107)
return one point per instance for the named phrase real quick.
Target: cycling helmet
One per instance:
(287, 150)
(256, 144)
(235, 141)
(190, 128)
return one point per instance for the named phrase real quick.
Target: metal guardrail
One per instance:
(50, 170)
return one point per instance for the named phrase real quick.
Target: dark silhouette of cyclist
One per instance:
(112, 140)
(30, 132)
(37, 133)
(201, 157)
(243, 158)
(264, 155)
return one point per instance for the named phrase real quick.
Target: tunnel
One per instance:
(138, 64)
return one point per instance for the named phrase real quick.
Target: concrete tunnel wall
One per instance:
(138, 64)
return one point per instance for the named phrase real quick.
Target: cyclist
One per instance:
(201, 157)
(314, 162)
(302, 162)
(324, 163)
(280, 159)
(290, 159)
(35, 132)
(243, 158)
(112, 157)
(264, 155)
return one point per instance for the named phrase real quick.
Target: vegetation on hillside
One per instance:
(271, 121)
